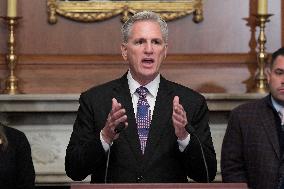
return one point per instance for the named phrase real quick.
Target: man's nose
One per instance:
(148, 48)
(282, 80)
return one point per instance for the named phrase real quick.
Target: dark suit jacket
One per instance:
(250, 151)
(162, 161)
(16, 166)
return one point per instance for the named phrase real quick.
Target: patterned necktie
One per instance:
(143, 117)
(281, 113)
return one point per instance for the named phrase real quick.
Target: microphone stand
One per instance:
(117, 130)
(107, 164)
(191, 131)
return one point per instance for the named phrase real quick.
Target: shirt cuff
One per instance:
(106, 146)
(182, 144)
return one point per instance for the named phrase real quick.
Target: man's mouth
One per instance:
(281, 90)
(148, 60)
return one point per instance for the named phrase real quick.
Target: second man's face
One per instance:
(276, 80)
(144, 51)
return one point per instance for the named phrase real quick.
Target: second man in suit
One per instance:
(154, 146)
(253, 145)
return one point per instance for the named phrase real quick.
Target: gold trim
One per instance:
(102, 10)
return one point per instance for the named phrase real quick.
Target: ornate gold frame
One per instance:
(91, 11)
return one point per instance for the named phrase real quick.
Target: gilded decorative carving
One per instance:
(91, 11)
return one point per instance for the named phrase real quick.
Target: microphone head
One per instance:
(119, 128)
(189, 129)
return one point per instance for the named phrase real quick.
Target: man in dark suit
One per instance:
(253, 145)
(154, 146)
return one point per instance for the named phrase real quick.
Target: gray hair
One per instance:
(144, 16)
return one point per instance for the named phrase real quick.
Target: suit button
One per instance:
(140, 179)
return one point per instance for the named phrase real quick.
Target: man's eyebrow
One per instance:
(157, 39)
(279, 69)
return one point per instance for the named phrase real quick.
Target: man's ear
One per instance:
(123, 48)
(166, 50)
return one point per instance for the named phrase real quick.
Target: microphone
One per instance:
(191, 131)
(117, 130)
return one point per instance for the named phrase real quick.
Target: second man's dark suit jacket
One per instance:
(250, 151)
(162, 161)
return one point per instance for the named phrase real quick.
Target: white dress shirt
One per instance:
(277, 106)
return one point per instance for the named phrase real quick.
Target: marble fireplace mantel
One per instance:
(69, 102)
(47, 121)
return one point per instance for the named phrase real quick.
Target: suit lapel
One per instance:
(130, 133)
(160, 119)
(268, 122)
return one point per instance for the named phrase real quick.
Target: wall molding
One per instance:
(238, 58)
(76, 73)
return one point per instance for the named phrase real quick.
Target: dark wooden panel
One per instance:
(69, 57)
(224, 30)
(226, 73)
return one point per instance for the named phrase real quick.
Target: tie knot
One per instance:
(142, 91)
(281, 112)
(281, 115)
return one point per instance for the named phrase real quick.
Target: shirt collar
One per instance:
(276, 105)
(152, 87)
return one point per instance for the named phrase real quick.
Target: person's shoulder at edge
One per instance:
(12, 132)
(16, 138)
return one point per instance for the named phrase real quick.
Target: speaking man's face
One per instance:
(144, 51)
